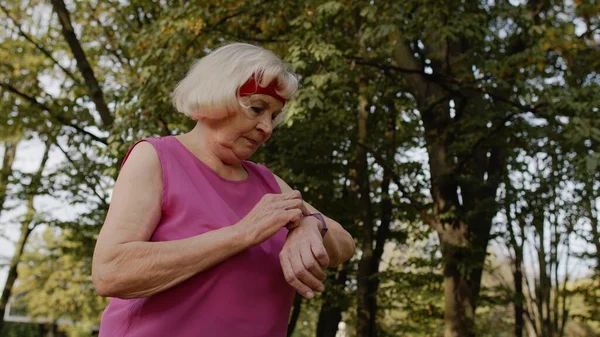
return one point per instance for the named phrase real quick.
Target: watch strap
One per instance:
(320, 217)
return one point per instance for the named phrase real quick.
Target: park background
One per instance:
(457, 141)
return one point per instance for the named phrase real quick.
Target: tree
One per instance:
(28, 224)
(55, 282)
(541, 217)
(458, 65)
(409, 113)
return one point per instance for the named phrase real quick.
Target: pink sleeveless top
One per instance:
(245, 295)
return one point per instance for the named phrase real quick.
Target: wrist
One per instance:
(242, 236)
(319, 221)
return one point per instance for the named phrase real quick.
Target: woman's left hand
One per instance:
(304, 257)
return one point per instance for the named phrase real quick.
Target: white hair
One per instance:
(210, 88)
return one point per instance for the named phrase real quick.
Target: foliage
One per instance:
(22, 330)
(413, 121)
(56, 281)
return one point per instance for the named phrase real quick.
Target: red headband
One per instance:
(251, 88)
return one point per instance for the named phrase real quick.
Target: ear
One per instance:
(212, 114)
(196, 115)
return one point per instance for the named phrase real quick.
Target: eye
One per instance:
(274, 116)
(257, 109)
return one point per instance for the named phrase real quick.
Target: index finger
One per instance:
(304, 209)
(295, 194)
(320, 254)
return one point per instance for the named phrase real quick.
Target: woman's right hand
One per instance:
(270, 214)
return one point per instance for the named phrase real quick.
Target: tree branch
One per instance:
(403, 57)
(119, 11)
(213, 27)
(27, 226)
(38, 46)
(6, 170)
(383, 231)
(445, 82)
(385, 67)
(256, 39)
(418, 206)
(500, 125)
(91, 185)
(60, 119)
(114, 46)
(85, 68)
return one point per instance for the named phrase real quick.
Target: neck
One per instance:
(201, 142)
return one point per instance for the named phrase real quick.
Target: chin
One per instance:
(245, 156)
(233, 154)
(238, 157)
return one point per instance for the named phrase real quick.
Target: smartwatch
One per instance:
(320, 217)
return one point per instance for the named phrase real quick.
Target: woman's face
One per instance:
(240, 134)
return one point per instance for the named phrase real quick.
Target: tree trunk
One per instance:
(335, 304)
(364, 324)
(330, 315)
(369, 263)
(518, 281)
(543, 289)
(518, 303)
(52, 330)
(26, 227)
(296, 308)
(91, 82)
(14, 262)
(329, 320)
(592, 214)
(458, 310)
(463, 183)
(10, 151)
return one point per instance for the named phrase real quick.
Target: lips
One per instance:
(252, 141)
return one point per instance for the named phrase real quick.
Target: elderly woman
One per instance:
(198, 241)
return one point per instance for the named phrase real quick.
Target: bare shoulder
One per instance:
(135, 205)
(141, 173)
(143, 156)
(282, 184)
(286, 188)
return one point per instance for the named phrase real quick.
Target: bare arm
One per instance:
(338, 243)
(126, 265)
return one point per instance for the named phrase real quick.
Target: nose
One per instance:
(265, 125)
